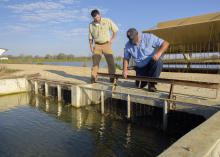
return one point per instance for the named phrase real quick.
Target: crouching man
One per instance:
(146, 50)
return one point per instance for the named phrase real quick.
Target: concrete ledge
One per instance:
(215, 151)
(12, 86)
(200, 142)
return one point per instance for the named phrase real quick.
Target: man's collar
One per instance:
(97, 22)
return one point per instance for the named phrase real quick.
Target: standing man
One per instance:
(101, 41)
(146, 50)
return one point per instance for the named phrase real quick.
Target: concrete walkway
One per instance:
(202, 141)
(81, 75)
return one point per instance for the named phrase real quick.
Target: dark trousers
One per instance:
(152, 69)
(96, 60)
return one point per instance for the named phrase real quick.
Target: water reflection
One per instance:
(15, 101)
(47, 105)
(36, 101)
(59, 112)
(56, 129)
(128, 135)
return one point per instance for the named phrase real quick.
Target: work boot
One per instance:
(93, 79)
(111, 80)
(151, 87)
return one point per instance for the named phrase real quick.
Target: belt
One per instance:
(101, 43)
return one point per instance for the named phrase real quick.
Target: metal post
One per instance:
(165, 112)
(46, 90)
(102, 102)
(59, 93)
(128, 106)
(35, 87)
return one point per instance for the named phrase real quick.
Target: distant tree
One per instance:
(37, 57)
(61, 56)
(48, 56)
(70, 56)
(28, 56)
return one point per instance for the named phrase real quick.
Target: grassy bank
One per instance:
(43, 60)
(4, 71)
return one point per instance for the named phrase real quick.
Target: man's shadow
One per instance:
(77, 77)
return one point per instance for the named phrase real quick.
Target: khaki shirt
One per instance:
(100, 32)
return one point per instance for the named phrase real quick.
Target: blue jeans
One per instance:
(152, 69)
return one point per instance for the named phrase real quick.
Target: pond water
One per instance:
(32, 126)
(103, 64)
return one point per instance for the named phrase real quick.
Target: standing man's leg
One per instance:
(96, 57)
(111, 64)
(108, 53)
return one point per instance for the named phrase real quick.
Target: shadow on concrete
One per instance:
(77, 77)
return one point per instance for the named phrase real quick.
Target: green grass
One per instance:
(5, 70)
(42, 60)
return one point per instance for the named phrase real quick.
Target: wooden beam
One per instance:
(46, 89)
(128, 106)
(102, 102)
(165, 115)
(164, 80)
(59, 93)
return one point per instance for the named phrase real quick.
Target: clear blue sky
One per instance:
(40, 27)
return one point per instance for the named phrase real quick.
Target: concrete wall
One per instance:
(203, 141)
(81, 96)
(10, 86)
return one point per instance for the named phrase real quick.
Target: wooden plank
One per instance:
(128, 106)
(165, 115)
(55, 82)
(102, 102)
(165, 81)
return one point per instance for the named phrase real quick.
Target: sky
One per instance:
(40, 27)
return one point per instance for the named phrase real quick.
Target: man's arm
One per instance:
(90, 40)
(125, 67)
(113, 37)
(162, 49)
(91, 45)
(126, 59)
(114, 29)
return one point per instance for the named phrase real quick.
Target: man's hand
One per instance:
(92, 49)
(111, 41)
(156, 57)
(163, 48)
(125, 73)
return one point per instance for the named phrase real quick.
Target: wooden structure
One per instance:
(194, 43)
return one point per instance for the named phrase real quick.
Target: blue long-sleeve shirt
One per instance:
(144, 51)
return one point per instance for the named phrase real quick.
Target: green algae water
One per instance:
(32, 126)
